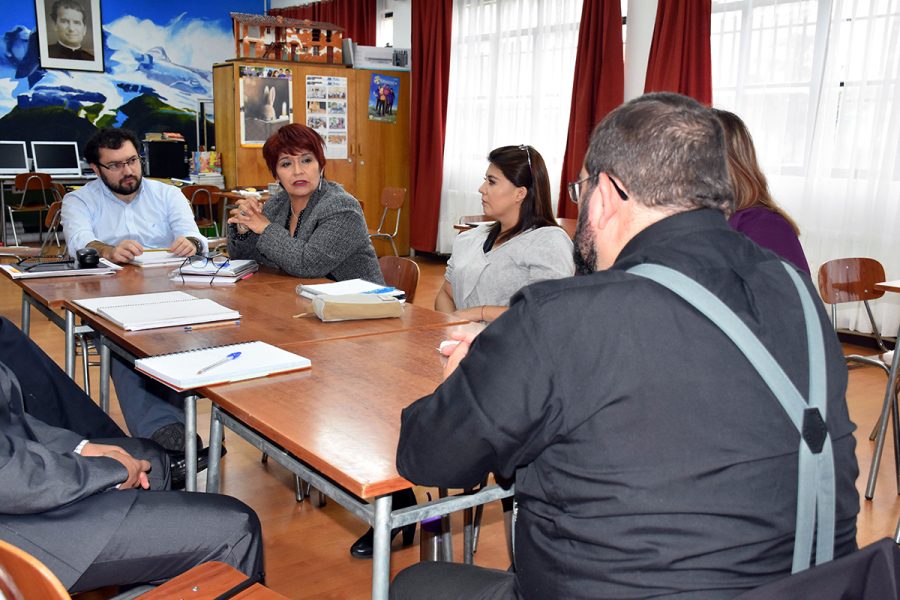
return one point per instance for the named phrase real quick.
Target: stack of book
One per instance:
(210, 273)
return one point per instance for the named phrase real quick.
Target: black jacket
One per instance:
(649, 457)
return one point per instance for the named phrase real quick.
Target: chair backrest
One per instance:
(53, 216)
(23, 576)
(392, 198)
(201, 194)
(850, 280)
(33, 181)
(28, 182)
(401, 273)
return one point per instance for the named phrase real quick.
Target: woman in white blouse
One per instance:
(492, 262)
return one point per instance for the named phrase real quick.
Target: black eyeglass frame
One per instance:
(116, 166)
(217, 259)
(575, 187)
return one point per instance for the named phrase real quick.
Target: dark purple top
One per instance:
(770, 230)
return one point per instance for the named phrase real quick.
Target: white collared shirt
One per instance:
(157, 216)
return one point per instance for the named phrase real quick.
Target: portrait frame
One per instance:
(91, 44)
(266, 103)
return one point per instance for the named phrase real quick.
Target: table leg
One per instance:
(26, 315)
(190, 442)
(381, 550)
(886, 410)
(468, 536)
(105, 358)
(70, 344)
(215, 451)
(446, 532)
(3, 213)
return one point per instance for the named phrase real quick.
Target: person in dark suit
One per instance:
(92, 509)
(69, 23)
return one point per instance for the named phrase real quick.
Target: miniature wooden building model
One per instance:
(279, 38)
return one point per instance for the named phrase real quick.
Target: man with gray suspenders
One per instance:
(674, 419)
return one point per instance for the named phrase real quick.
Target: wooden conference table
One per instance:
(335, 425)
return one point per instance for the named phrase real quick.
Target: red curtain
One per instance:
(597, 89)
(431, 29)
(358, 18)
(680, 52)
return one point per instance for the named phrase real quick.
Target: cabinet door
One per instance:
(382, 153)
(340, 170)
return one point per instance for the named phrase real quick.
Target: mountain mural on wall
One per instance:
(157, 67)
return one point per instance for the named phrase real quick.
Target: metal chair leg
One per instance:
(85, 363)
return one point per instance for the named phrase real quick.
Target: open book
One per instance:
(350, 286)
(181, 370)
(161, 309)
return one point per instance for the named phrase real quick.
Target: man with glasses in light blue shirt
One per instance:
(121, 215)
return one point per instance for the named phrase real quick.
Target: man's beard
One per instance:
(585, 251)
(120, 188)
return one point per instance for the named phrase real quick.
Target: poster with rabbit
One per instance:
(266, 102)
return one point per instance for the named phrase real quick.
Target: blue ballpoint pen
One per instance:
(231, 356)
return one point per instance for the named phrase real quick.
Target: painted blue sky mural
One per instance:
(157, 56)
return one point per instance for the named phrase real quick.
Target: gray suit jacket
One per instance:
(44, 484)
(331, 239)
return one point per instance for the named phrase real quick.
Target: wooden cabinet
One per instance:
(377, 152)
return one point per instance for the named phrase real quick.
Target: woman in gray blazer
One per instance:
(312, 227)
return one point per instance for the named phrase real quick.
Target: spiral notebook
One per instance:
(161, 309)
(180, 370)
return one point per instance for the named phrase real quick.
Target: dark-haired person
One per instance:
(756, 214)
(490, 263)
(650, 458)
(312, 227)
(120, 214)
(67, 17)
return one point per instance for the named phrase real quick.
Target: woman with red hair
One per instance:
(311, 227)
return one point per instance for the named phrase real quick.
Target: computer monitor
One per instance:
(13, 158)
(56, 158)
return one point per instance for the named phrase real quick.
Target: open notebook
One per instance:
(257, 359)
(161, 309)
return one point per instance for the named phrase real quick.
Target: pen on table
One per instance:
(384, 290)
(211, 325)
(228, 358)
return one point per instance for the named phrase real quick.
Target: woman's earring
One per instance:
(321, 176)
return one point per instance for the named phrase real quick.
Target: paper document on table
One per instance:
(53, 270)
(162, 309)
(255, 359)
(343, 288)
(157, 258)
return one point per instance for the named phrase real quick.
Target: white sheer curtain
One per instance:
(817, 83)
(511, 69)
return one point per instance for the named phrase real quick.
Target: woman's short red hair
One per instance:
(293, 139)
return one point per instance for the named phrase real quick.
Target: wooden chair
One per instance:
(853, 280)
(31, 182)
(401, 273)
(201, 196)
(52, 221)
(23, 577)
(392, 200)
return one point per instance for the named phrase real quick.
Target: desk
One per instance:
(206, 582)
(890, 400)
(63, 179)
(266, 306)
(337, 426)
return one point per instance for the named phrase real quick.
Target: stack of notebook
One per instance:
(159, 309)
(211, 273)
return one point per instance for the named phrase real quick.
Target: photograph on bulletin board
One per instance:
(384, 95)
(326, 112)
(266, 103)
